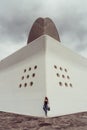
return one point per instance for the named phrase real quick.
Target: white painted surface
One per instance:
(65, 100)
(24, 100)
(45, 52)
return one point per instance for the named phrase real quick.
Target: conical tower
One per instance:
(41, 27)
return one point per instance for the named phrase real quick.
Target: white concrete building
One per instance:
(44, 67)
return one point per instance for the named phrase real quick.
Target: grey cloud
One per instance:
(16, 18)
(72, 27)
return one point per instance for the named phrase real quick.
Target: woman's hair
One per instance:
(46, 98)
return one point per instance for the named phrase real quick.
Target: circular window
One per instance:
(24, 70)
(68, 77)
(29, 68)
(20, 85)
(63, 76)
(27, 76)
(66, 84)
(25, 84)
(61, 68)
(22, 77)
(70, 85)
(55, 66)
(65, 70)
(33, 75)
(35, 67)
(58, 75)
(31, 83)
(60, 83)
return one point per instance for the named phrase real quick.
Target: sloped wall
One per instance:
(22, 84)
(66, 79)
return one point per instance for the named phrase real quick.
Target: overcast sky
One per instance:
(17, 17)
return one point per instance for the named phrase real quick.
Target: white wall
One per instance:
(45, 52)
(29, 99)
(65, 99)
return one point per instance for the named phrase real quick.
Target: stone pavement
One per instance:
(10, 121)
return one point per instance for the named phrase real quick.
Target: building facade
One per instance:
(45, 67)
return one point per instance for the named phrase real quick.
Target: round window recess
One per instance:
(33, 75)
(61, 68)
(35, 67)
(55, 66)
(22, 77)
(58, 75)
(24, 70)
(31, 83)
(60, 83)
(65, 70)
(70, 85)
(63, 76)
(25, 84)
(27, 76)
(20, 85)
(29, 68)
(66, 84)
(68, 77)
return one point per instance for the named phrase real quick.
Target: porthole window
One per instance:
(58, 75)
(33, 75)
(22, 77)
(65, 70)
(24, 70)
(27, 76)
(66, 84)
(63, 76)
(70, 85)
(20, 85)
(25, 84)
(61, 68)
(35, 67)
(60, 83)
(29, 68)
(68, 77)
(31, 83)
(55, 66)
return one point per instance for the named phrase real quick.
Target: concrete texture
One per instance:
(10, 121)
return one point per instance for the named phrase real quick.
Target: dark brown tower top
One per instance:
(43, 26)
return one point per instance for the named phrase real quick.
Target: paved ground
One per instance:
(9, 121)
